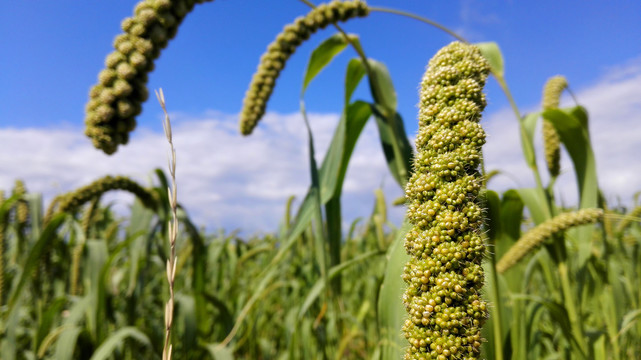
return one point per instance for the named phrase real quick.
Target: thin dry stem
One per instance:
(172, 230)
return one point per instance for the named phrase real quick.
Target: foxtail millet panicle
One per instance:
(74, 200)
(117, 99)
(536, 236)
(273, 61)
(551, 141)
(51, 209)
(21, 206)
(444, 274)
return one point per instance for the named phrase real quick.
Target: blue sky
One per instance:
(53, 51)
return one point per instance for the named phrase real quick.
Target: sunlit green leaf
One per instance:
(492, 54)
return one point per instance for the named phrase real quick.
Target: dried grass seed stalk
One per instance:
(535, 237)
(444, 274)
(74, 200)
(551, 141)
(273, 61)
(116, 100)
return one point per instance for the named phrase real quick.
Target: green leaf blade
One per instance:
(323, 55)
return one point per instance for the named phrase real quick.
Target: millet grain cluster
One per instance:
(117, 99)
(273, 61)
(551, 141)
(536, 236)
(444, 275)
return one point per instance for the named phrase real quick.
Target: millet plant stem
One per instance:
(419, 18)
(172, 229)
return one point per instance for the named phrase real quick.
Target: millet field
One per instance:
(469, 273)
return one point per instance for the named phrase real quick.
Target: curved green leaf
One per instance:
(628, 321)
(323, 55)
(333, 272)
(224, 316)
(334, 166)
(382, 87)
(391, 313)
(536, 204)
(187, 320)
(33, 259)
(527, 129)
(220, 352)
(47, 319)
(511, 219)
(493, 215)
(66, 344)
(396, 146)
(559, 315)
(571, 125)
(116, 339)
(353, 76)
(492, 53)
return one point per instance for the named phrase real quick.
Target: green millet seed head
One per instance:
(273, 61)
(551, 141)
(112, 60)
(552, 91)
(444, 274)
(181, 9)
(51, 209)
(161, 5)
(73, 201)
(138, 61)
(122, 88)
(105, 96)
(125, 71)
(147, 17)
(107, 77)
(535, 237)
(22, 208)
(122, 85)
(125, 47)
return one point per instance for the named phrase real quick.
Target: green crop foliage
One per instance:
(471, 273)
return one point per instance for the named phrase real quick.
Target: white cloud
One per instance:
(224, 179)
(614, 107)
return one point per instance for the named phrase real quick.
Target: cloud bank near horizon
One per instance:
(224, 179)
(229, 181)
